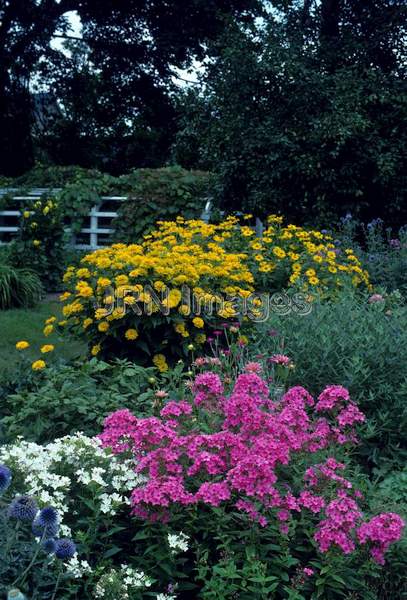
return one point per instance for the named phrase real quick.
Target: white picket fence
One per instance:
(96, 232)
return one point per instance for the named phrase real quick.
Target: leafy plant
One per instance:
(354, 343)
(19, 287)
(40, 242)
(68, 397)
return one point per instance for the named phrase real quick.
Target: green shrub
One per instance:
(70, 397)
(382, 251)
(159, 194)
(40, 242)
(358, 345)
(19, 287)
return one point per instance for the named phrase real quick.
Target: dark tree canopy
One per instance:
(306, 115)
(115, 88)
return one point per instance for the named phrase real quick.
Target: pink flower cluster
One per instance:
(280, 359)
(380, 532)
(236, 450)
(208, 389)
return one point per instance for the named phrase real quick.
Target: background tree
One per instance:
(115, 90)
(305, 114)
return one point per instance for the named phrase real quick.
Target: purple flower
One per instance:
(23, 508)
(49, 546)
(5, 478)
(46, 523)
(64, 548)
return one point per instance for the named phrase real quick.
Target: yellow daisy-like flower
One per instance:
(131, 334)
(103, 326)
(310, 272)
(95, 349)
(65, 296)
(198, 322)
(279, 252)
(160, 362)
(87, 322)
(36, 243)
(26, 214)
(47, 348)
(22, 345)
(50, 320)
(48, 329)
(313, 280)
(38, 365)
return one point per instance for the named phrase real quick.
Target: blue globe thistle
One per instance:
(44, 531)
(23, 508)
(47, 516)
(5, 478)
(64, 548)
(49, 546)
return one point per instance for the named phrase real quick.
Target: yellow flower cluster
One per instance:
(307, 258)
(113, 298)
(151, 298)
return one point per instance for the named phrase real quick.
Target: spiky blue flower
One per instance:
(49, 546)
(23, 508)
(47, 516)
(47, 531)
(64, 548)
(5, 478)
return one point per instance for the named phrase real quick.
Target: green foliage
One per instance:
(383, 252)
(68, 397)
(19, 287)
(302, 121)
(159, 194)
(40, 242)
(358, 345)
(118, 106)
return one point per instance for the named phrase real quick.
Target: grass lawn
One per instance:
(27, 324)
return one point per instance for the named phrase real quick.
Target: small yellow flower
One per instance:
(45, 210)
(22, 345)
(38, 365)
(26, 214)
(50, 320)
(48, 329)
(160, 362)
(103, 326)
(95, 349)
(86, 323)
(65, 296)
(198, 322)
(131, 334)
(36, 243)
(47, 348)
(100, 313)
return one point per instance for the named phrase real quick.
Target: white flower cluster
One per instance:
(165, 597)
(178, 542)
(54, 472)
(120, 583)
(77, 568)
